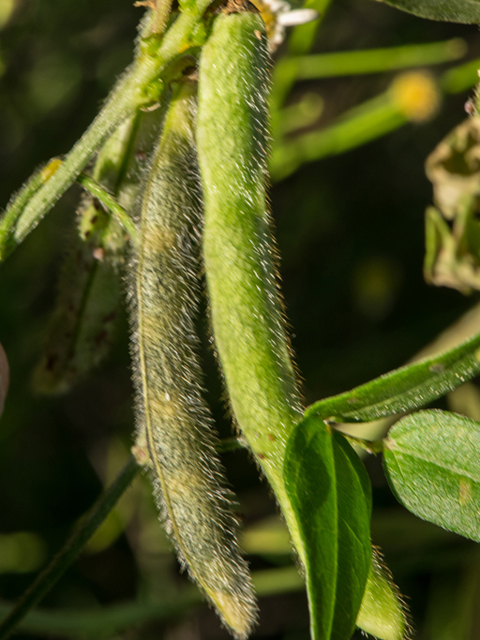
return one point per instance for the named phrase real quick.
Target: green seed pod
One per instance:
(83, 323)
(174, 435)
(240, 257)
(383, 613)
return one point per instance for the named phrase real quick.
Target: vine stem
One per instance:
(115, 618)
(123, 101)
(21, 199)
(65, 557)
(80, 535)
(131, 93)
(162, 11)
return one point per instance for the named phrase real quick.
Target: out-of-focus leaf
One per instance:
(452, 228)
(453, 167)
(467, 11)
(331, 496)
(404, 389)
(432, 463)
(83, 322)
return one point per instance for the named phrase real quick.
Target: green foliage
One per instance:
(331, 497)
(451, 10)
(144, 201)
(431, 458)
(15, 209)
(452, 257)
(405, 389)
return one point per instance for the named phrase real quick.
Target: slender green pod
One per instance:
(174, 422)
(383, 613)
(239, 253)
(89, 293)
(240, 258)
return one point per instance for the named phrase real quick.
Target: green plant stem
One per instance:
(18, 203)
(345, 63)
(74, 544)
(162, 11)
(130, 94)
(301, 115)
(300, 42)
(101, 622)
(273, 581)
(97, 191)
(124, 100)
(463, 329)
(65, 557)
(370, 120)
(364, 123)
(303, 36)
(115, 618)
(460, 78)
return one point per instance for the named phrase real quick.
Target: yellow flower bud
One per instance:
(416, 95)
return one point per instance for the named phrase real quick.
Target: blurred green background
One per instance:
(350, 235)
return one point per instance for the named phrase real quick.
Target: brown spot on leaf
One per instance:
(464, 492)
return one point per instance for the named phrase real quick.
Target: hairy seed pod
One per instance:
(174, 436)
(89, 292)
(240, 258)
(246, 311)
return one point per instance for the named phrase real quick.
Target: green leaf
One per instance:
(331, 496)
(404, 389)
(432, 464)
(467, 11)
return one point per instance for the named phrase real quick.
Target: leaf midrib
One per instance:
(407, 452)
